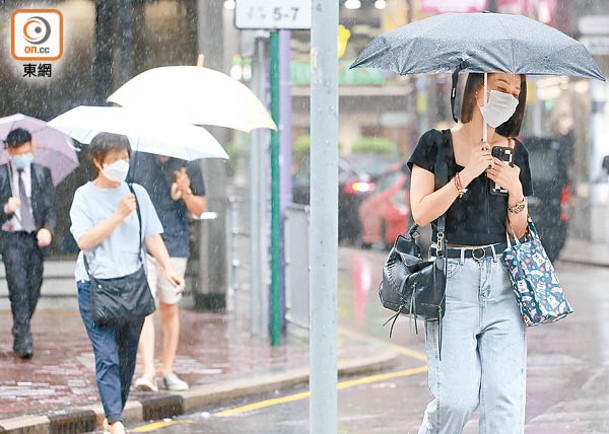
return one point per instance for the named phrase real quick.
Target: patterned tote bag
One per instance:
(538, 292)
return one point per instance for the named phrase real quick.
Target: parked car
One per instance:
(385, 213)
(549, 207)
(354, 185)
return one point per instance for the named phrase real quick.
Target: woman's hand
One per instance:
(479, 161)
(507, 177)
(126, 206)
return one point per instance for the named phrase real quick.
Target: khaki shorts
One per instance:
(161, 288)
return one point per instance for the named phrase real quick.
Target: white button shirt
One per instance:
(14, 224)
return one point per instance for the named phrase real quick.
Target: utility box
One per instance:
(297, 269)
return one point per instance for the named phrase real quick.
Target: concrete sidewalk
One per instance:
(585, 252)
(55, 392)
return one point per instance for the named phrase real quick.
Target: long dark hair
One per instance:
(511, 127)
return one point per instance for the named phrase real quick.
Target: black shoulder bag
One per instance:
(118, 300)
(411, 285)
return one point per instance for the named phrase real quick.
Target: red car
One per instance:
(385, 213)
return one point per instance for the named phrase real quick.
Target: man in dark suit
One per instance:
(28, 217)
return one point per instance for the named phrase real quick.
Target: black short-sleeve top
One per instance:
(478, 218)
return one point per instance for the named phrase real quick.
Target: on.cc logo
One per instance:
(37, 34)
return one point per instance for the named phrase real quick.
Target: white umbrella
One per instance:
(197, 95)
(146, 134)
(52, 148)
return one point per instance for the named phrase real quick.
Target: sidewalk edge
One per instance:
(85, 419)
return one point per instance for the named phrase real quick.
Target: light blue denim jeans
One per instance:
(483, 363)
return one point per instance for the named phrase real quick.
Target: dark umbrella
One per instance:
(478, 42)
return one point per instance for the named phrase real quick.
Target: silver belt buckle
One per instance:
(476, 257)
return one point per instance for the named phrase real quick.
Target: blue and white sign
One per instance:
(273, 14)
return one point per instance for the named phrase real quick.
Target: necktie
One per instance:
(27, 219)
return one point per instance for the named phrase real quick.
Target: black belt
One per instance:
(472, 252)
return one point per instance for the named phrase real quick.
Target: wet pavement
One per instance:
(568, 362)
(568, 369)
(213, 348)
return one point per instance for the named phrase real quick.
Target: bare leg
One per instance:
(146, 346)
(170, 321)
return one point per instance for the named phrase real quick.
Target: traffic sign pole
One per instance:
(276, 274)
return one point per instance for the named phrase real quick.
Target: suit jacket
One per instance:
(42, 196)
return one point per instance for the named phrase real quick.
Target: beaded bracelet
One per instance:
(519, 207)
(457, 181)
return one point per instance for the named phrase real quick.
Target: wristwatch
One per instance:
(518, 207)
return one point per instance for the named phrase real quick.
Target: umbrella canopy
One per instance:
(197, 95)
(146, 134)
(52, 148)
(479, 42)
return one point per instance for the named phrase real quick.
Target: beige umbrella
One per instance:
(196, 95)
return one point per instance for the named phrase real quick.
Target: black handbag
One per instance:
(411, 285)
(119, 300)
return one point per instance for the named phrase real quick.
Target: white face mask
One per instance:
(499, 108)
(116, 171)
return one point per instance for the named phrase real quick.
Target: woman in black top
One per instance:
(483, 360)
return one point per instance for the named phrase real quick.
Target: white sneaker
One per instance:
(146, 384)
(175, 383)
(116, 428)
(106, 426)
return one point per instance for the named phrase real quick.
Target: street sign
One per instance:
(273, 14)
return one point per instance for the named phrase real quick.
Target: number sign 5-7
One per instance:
(273, 14)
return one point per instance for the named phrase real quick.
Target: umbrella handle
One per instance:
(484, 126)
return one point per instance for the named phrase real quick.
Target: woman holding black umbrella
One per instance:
(483, 353)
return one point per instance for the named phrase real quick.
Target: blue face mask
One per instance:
(22, 161)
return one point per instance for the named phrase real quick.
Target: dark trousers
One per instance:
(23, 264)
(115, 350)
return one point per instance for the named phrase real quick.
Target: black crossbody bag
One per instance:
(411, 285)
(119, 300)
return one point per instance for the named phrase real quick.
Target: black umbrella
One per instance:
(478, 42)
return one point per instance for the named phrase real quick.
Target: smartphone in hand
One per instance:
(506, 154)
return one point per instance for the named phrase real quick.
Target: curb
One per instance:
(161, 406)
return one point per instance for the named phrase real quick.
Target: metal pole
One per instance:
(276, 272)
(324, 216)
(258, 311)
(285, 139)
(258, 78)
(211, 293)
